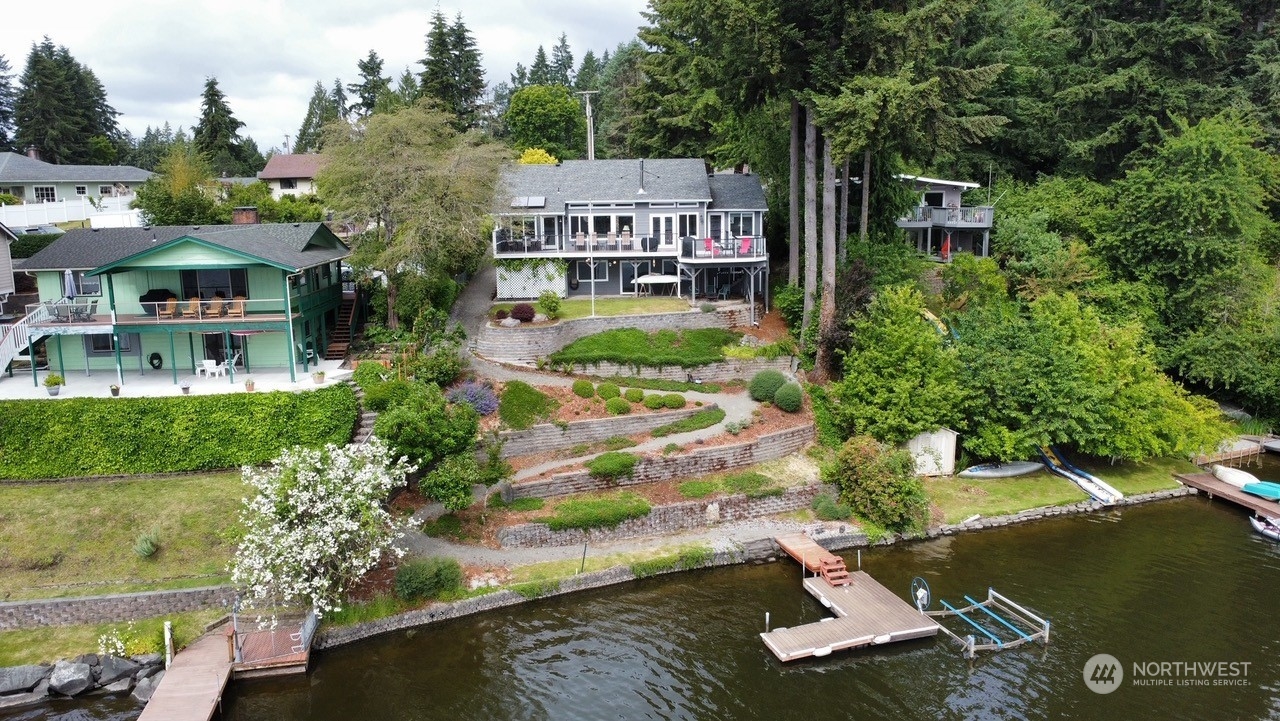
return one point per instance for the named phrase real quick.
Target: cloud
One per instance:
(153, 55)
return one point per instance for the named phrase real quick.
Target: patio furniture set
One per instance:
(196, 308)
(73, 312)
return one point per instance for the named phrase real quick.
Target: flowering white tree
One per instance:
(317, 524)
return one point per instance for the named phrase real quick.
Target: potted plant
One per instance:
(52, 383)
(318, 376)
(248, 385)
(186, 387)
(115, 390)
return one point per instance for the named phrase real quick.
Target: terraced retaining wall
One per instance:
(699, 462)
(675, 518)
(111, 609)
(721, 371)
(551, 437)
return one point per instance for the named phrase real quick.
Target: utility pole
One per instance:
(591, 123)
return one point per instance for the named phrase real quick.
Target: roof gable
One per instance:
(15, 168)
(606, 181)
(292, 166)
(737, 191)
(7, 235)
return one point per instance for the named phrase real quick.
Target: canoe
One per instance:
(1263, 489)
(1000, 470)
(1234, 476)
(1267, 527)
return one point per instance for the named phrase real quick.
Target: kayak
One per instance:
(1263, 489)
(1000, 470)
(1234, 476)
(1267, 527)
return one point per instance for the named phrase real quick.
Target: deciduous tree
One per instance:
(547, 117)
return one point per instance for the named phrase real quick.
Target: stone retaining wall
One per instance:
(550, 437)
(699, 462)
(675, 518)
(111, 609)
(527, 344)
(721, 371)
(759, 550)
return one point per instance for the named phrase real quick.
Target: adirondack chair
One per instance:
(192, 308)
(167, 309)
(215, 307)
(236, 309)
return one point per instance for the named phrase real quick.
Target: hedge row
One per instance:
(120, 436)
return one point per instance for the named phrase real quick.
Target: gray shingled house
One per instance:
(32, 180)
(621, 227)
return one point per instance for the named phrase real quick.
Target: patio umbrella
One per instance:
(69, 284)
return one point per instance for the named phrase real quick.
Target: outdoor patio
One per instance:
(150, 384)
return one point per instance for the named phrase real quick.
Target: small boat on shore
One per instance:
(1272, 445)
(1247, 482)
(1269, 527)
(1000, 470)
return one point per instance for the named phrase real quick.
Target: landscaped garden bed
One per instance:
(521, 405)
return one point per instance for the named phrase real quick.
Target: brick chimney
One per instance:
(32, 152)
(247, 215)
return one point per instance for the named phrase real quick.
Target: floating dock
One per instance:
(867, 613)
(1245, 449)
(1209, 484)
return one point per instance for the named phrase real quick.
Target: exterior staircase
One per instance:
(13, 338)
(834, 571)
(337, 349)
(364, 427)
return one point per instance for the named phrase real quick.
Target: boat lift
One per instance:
(1000, 622)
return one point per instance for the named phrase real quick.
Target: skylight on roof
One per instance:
(529, 201)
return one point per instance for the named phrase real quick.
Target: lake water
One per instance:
(1185, 580)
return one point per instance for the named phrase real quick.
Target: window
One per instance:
(102, 343)
(601, 224)
(88, 284)
(934, 198)
(106, 191)
(45, 194)
(288, 184)
(579, 224)
(742, 224)
(82, 190)
(206, 284)
(688, 225)
(584, 271)
(326, 271)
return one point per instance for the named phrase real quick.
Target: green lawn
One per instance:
(688, 348)
(77, 539)
(1133, 478)
(581, 307)
(960, 498)
(45, 645)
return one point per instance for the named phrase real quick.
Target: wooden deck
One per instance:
(271, 653)
(868, 614)
(804, 550)
(1246, 449)
(192, 687)
(1208, 483)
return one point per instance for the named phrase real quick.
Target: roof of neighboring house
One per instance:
(237, 181)
(737, 191)
(923, 183)
(605, 181)
(15, 168)
(285, 244)
(6, 234)
(291, 166)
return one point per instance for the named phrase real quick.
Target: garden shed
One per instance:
(934, 452)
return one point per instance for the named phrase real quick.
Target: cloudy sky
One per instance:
(153, 55)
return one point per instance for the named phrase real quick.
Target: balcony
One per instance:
(710, 250)
(52, 316)
(581, 246)
(966, 217)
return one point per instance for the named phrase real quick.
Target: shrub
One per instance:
(696, 422)
(426, 429)
(617, 443)
(707, 307)
(523, 312)
(826, 508)
(124, 436)
(549, 302)
(450, 482)
(674, 401)
(878, 482)
(790, 397)
(607, 391)
(522, 405)
(635, 395)
(698, 489)
(661, 384)
(670, 448)
(500, 314)
(617, 406)
(369, 374)
(584, 388)
(479, 396)
(147, 544)
(597, 512)
(612, 465)
(440, 365)
(789, 300)
(654, 401)
(388, 395)
(765, 385)
(423, 578)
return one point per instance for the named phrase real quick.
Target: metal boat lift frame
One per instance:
(1026, 625)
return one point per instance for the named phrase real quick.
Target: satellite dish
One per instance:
(920, 593)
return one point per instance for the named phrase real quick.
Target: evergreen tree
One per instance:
(468, 74)
(540, 71)
(320, 110)
(338, 96)
(216, 134)
(519, 78)
(6, 105)
(436, 78)
(61, 109)
(371, 84)
(588, 75)
(562, 62)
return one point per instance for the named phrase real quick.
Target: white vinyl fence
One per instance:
(65, 211)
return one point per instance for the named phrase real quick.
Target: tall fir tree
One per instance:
(562, 62)
(588, 75)
(320, 110)
(372, 84)
(436, 78)
(338, 95)
(217, 132)
(540, 70)
(468, 74)
(7, 97)
(61, 109)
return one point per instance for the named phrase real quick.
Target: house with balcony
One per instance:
(628, 227)
(291, 174)
(941, 224)
(32, 180)
(185, 301)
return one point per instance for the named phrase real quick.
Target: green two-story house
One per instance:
(175, 299)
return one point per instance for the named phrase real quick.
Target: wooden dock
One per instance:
(867, 613)
(1208, 483)
(1245, 450)
(191, 689)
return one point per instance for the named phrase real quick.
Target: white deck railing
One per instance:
(15, 336)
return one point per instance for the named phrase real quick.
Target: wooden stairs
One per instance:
(337, 349)
(834, 571)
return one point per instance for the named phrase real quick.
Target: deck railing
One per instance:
(744, 248)
(583, 244)
(15, 338)
(187, 311)
(969, 215)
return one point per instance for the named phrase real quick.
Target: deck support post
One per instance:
(288, 319)
(31, 353)
(173, 357)
(62, 368)
(229, 352)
